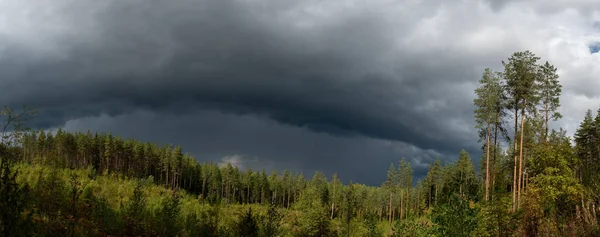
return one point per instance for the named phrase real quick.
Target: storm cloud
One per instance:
(346, 86)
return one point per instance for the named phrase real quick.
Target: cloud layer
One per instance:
(354, 75)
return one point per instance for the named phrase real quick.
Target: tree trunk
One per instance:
(493, 174)
(390, 210)
(525, 175)
(547, 101)
(436, 191)
(401, 205)
(594, 211)
(429, 192)
(514, 187)
(333, 201)
(283, 199)
(203, 187)
(248, 193)
(407, 201)
(487, 162)
(400, 208)
(521, 153)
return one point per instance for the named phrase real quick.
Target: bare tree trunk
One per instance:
(493, 174)
(487, 162)
(521, 153)
(547, 101)
(525, 174)
(514, 187)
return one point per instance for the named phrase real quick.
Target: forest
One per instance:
(531, 180)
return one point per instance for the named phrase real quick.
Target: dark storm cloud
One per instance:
(351, 80)
(242, 140)
(342, 76)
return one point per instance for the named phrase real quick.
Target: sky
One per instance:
(346, 86)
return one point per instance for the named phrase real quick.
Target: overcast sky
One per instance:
(330, 85)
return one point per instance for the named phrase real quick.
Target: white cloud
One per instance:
(234, 160)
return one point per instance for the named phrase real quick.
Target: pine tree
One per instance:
(336, 191)
(521, 74)
(41, 145)
(461, 178)
(407, 174)
(486, 113)
(433, 182)
(550, 90)
(109, 152)
(390, 184)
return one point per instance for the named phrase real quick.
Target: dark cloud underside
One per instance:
(350, 73)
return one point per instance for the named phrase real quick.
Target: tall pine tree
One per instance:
(486, 113)
(550, 90)
(521, 74)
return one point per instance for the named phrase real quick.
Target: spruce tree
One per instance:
(585, 138)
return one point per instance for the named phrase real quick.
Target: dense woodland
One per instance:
(531, 181)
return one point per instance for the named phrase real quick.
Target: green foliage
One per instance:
(392, 177)
(412, 227)
(488, 100)
(557, 154)
(135, 212)
(314, 219)
(247, 225)
(587, 138)
(460, 179)
(168, 216)
(495, 219)
(458, 217)
(371, 221)
(550, 90)
(521, 74)
(13, 201)
(269, 226)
